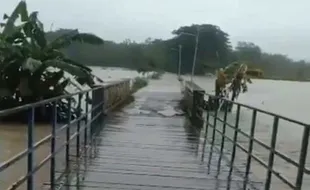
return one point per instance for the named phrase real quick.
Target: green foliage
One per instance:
(74, 36)
(156, 75)
(275, 66)
(213, 47)
(248, 52)
(138, 83)
(27, 56)
(155, 54)
(214, 51)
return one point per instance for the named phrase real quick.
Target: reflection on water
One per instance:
(193, 136)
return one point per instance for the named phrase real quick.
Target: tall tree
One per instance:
(248, 52)
(213, 46)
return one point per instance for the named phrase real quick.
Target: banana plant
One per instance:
(25, 47)
(234, 78)
(26, 59)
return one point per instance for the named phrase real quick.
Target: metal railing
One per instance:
(85, 125)
(251, 139)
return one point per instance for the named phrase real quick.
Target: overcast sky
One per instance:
(277, 26)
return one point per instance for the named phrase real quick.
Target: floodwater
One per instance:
(13, 139)
(286, 98)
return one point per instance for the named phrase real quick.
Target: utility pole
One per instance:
(180, 60)
(195, 55)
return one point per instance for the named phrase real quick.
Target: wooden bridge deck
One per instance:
(146, 146)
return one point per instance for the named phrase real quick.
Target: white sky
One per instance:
(277, 26)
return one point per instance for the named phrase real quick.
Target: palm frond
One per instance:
(72, 69)
(14, 36)
(34, 29)
(62, 85)
(20, 10)
(39, 37)
(33, 17)
(31, 64)
(5, 16)
(23, 12)
(89, 70)
(70, 61)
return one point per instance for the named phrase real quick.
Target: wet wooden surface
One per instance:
(149, 145)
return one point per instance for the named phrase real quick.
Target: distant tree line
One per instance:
(214, 51)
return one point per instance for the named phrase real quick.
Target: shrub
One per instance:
(156, 75)
(139, 83)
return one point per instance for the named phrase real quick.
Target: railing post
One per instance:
(53, 143)
(106, 94)
(194, 107)
(199, 111)
(206, 136)
(78, 126)
(207, 124)
(93, 111)
(233, 154)
(98, 97)
(86, 122)
(214, 127)
(271, 153)
(68, 134)
(213, 139)
(223, 138)
(250, 150)
(302, 157)
(103, 100)
(31, 118)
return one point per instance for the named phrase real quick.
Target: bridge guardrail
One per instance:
(104, 98)
(269, 166)
(193, 99)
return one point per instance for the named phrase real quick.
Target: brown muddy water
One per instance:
(290, 99)
(287, 98)
(14, 140)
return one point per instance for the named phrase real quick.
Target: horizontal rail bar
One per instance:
(268, 165)
(260, 110)
(22, 179)
(281, 155)
(97, 111)
(36, 104)
(44, 140)
(261, 162)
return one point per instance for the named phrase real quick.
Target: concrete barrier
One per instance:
(193, 102)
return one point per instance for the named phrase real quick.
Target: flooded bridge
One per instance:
(143, 147)
(148, 144)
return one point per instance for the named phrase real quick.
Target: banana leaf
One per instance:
(20, 10)
(31, 64)
(72, 69)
